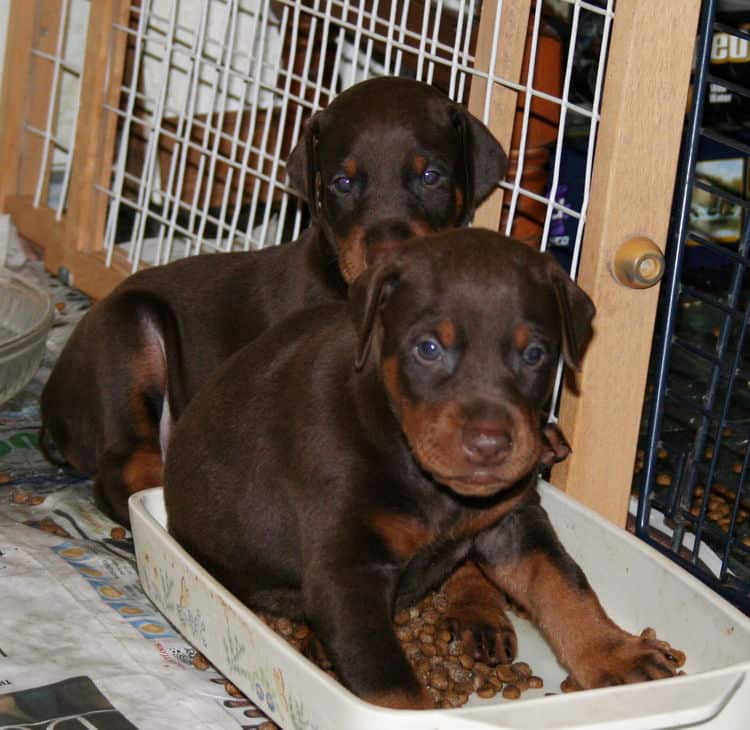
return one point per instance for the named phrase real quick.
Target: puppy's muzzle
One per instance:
(386, 236)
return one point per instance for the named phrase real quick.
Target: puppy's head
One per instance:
(390, 159)
(466, 328)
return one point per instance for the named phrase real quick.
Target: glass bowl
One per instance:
(26, 315)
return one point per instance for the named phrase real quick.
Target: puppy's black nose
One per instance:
(486, 443)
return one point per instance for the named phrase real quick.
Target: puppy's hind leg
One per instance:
(138, 420)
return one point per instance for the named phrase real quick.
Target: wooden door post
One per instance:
(643, 109)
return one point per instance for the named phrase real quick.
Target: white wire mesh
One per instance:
(215, 93)
(55, 129)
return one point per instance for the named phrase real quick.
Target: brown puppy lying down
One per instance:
(347, 461)
(389, 159)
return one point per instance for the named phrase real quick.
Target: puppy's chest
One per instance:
(406, 534)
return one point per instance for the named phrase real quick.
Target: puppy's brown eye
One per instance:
(430, 177)
(343, 184)
(533, 354)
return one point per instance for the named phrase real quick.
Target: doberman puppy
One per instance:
(368, 451)
(390, 158)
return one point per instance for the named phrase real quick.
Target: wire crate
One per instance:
(694, 499)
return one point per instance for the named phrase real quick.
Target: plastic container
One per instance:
(25, 319)
(637, 586)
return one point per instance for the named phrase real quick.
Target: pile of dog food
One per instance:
(440, 661)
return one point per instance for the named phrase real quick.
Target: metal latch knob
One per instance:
(638, 263)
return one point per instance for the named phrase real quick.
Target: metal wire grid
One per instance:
(696, 482)
(57, 135)
(211, 108)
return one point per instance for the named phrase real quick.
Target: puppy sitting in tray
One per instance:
(366, 452)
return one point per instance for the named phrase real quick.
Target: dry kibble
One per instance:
(522, 669)
(20, 497)
(435, 695)
(746, 541)
(569, 685)
(455, 648)
(482, 669)
(737, 467)
(467, 662)
(268, 726)
(663, 480)
(429, 650)
(200, 662)
(495, 681)
(535, 682)
(455, 699)
(231, 690)
(708, 453)
(458, 674)
(403, 633)
(487, 692)
(439, 679)
(413, 651)
(284, 627)
(402, 618)
(118, 533)
(505, 673)
(511, 692)
(430, 616)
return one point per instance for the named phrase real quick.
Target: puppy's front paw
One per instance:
(489, 641)
(625, 659)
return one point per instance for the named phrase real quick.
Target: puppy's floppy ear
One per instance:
(576, 313)
(302, 164)
(368, 294)
(484, 160)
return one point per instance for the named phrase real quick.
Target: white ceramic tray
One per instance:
(637, 586)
